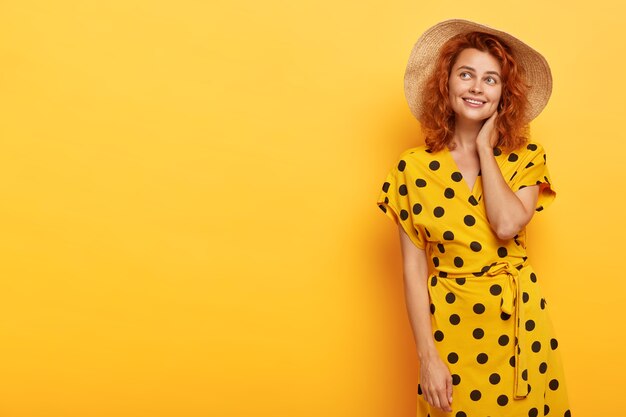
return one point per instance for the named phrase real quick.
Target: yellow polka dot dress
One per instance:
(490, 321)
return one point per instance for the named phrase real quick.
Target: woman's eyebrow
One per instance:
(472, 69)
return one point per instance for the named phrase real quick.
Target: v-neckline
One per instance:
(455, 168)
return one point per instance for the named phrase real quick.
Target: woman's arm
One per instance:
(507, 212)
(435, 378)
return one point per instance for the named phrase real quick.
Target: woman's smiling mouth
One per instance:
(473, 102)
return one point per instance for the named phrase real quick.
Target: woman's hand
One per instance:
(436, 383)
(488, 135)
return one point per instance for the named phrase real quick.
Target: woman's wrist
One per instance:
(427, 353)
(484, 150)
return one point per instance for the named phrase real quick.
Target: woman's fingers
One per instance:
(435, 400)
(438, 397)
(443, 400)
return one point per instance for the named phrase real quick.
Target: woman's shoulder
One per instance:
(415, 154)
(530, 149)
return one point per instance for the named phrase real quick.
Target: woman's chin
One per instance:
(472, 118)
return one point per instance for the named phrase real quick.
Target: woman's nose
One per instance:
(475, 88)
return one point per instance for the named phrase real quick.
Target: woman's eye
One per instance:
(491, 80)
(465, 75)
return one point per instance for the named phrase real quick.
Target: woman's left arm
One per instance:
(508, 212)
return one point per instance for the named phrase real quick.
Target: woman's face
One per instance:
(475, 85)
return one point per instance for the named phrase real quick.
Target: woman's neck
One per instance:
(465, 134)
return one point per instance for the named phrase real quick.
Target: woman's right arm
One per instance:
(435, 378)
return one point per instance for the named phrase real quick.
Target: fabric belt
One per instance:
(511, 305)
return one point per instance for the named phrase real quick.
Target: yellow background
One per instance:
(188, 224)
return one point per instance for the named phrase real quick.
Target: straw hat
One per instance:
(426, 50)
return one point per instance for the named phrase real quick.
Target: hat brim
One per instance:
(426, 51)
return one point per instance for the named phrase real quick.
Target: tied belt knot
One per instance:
(510, 305)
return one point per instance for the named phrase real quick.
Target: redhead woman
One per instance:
(462, 201)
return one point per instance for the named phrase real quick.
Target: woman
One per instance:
(462, 200)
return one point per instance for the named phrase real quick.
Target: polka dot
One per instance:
(460, 281)
(450, 297)
(543, 367)
(456, 176)
(478, 333)
(403, 190)
(531, 146)
(512, 361)
(432, 309)
(475, 395)
(536, 346)
(512, 157)
(472, 200)
(503, 400)
(502, 252)
(438, 211)
(453, 357)
(554, 344)
(434, 165)
(404, 214)
(503, 340)
(460, 414)
(482, 358)
(421, 183)
(401, 165)
(475, 246)
(479, 308)
(435, 261)
(448, 235)
(417, 208)
(542, 304)
(494, 378)
(530, 325)
(525, 374)
(456, 379)
(449, 193)
(497, 151)
(469, 220)
(441, 248)
(458, 261)
(386, 186)
(505, 316)
(455, 319)
(427, 232)
(419, 389)
(567, 414)
(546, 409)
(495, 289)
(525, 297)
(433, 281)
(533, 412)
(382, 208)
(554, 385)
(438, 335)
(533, 277)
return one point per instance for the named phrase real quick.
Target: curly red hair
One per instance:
(438, 116)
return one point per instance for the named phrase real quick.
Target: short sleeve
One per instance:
(398, 203)
(534, 171)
